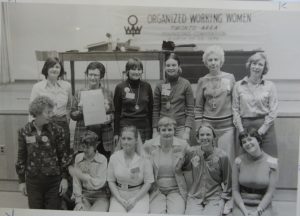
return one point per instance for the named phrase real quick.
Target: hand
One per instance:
(260, 132)
(63, 187)
(79, 207)
(23, 189)
(130, 204)
(106, 105)
(154, 133)
(245, 212)
(76, 113)
(186, 136)
(253, 213)
(72, 170)
(116, 140)
(123, 202)
(178, 167)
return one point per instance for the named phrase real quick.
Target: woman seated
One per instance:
(169, 192)
(43, 157)
(255, 174)
(129, 175)
(89, 176)
(211, 172)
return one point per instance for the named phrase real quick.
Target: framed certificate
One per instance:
(93, 107)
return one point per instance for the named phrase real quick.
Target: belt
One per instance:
(126, 186)
(254, 117)
(252, 190)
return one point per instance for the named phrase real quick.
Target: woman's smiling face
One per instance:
(257, 68)
(250, 144)
(128, 141)
(205, 138)
(172, 67)
(213, 62)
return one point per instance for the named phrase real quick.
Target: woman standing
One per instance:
(133, 100)
(129, 175)
(254, 178)
(168, 195)
(42, 157)
(214, 100)
(174, 98)
(94, 72)
(255, 102)
(59, 91)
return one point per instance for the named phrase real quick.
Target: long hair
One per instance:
(207, 125)
(137, 136)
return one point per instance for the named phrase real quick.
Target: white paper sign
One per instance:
(93, 107)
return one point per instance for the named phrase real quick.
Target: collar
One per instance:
(134, 83)
(245, 81)
(45, 127)
(121, 157)
(98, 158)
(45, 83)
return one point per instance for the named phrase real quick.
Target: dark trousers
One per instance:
(43, 192)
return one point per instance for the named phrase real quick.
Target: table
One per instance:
(72, 57)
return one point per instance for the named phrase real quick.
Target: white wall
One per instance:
(53, 27)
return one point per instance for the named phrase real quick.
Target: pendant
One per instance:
(137, 107)
(168, 105)
(213, 104)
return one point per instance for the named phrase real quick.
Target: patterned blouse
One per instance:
(45, 153)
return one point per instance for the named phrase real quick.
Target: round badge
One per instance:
(195, 161)
(45, 139)
(126, 89)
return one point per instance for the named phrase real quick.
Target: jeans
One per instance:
(43, 192)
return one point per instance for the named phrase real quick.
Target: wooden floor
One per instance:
(284, 202)
(16, 97)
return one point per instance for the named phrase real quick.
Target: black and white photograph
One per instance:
(149, 109)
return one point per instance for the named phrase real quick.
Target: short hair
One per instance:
(214, 50)
(133, 64)
(171, 55)
(251, 132)
(49, 63)
(38, 105)
(165, 122)
(94, 66)
(90, 138)
(208, 126)
(255, 58)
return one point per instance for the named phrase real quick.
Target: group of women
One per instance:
(142, 159)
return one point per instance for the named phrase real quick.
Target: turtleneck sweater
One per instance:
(127, 95)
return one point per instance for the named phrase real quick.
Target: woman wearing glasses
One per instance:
(95, 71)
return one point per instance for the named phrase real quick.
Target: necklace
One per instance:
(137, 107)
(216, 83)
